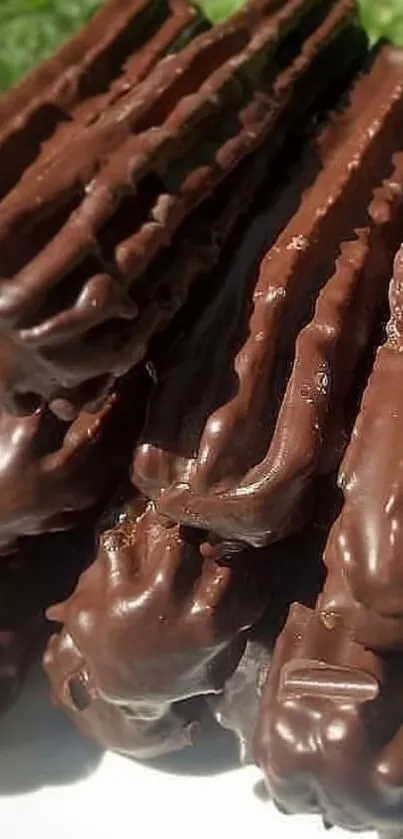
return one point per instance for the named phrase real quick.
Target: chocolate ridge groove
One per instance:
(162, 625)
(220, 489)
(74, 86)
(364, 588)
(106, 292)
(51, 471)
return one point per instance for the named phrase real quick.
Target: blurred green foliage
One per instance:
(383, 19)
(32, 29)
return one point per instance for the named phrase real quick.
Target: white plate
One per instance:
(55, 785)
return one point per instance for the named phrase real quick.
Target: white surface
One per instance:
(54, 785)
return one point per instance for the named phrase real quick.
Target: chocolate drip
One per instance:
(115, 50)
(51, 471)
(152, 623)
(244, 472)
(365, 583)
(298, 575)
(144, 218)
(192, 377)
(329, 732)
(145, 147)
(157, 620)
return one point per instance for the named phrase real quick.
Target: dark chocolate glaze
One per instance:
(152, 623)
(297, 576)
(51, 470)
(72, 88)
(329, 734)
(60, 236)
(363, 556)
(191, 378)
(241, 470)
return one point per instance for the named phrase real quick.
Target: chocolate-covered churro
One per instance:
(78, 232)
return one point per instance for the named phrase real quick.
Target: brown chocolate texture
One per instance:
(51, 471)
(73, 87)
(156, 621)
(364, 587)
(329, 734)
(151, 624)
(297, 575)
(82, 228)
(137, 164)
(237, 433)
(71, 90)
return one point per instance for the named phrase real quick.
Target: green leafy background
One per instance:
(31, 29)
(383, 19)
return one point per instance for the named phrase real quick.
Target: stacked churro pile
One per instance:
(200, 357)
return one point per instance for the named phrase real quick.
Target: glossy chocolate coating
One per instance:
(329, 734)
(51, 470)
(72, 88)
(244, 469)
(363, 555)
(151, 624)
(139, 162)
(193, 376)
(297, 576)
(377, 631)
